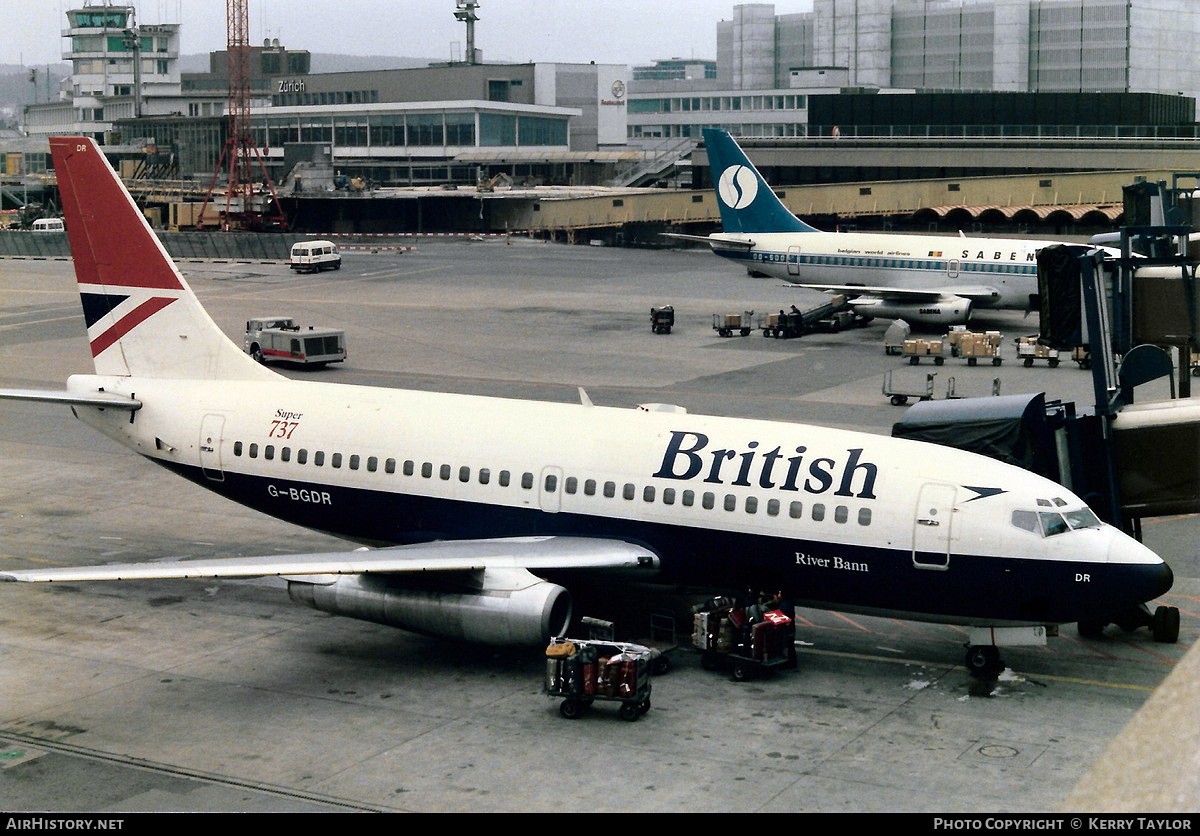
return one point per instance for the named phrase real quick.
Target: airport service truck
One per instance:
(279, 338)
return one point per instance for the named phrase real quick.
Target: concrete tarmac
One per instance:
(222, 695)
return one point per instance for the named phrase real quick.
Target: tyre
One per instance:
(257, 354)
(912, 361)
(1165, 625)
(1053, 362)
(984, 660)
(741, 670)
(899, 400)
(938, 361)
(570, 710)
(629, 711)
(1028, 362)
(996, 361)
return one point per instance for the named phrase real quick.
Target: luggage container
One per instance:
(583, 671)
(899, 393)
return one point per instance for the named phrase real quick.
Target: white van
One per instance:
(49, 225)
(314, 256)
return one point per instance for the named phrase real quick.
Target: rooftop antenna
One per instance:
(465, 12)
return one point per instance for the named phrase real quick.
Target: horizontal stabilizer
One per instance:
(100, 399)
(712, 240)
(532, 553)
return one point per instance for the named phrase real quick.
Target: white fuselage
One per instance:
(851, 520)
(906, 262)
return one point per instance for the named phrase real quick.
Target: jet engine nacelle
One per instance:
(952, 311)
(497, 606)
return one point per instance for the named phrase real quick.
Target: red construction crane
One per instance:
(244, 208)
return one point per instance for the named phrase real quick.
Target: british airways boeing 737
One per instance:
(482, 513)
(930, 279)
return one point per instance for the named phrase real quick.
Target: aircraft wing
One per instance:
(533, 553)
(899, 294)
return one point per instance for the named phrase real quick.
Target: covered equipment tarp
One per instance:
(1011, 428)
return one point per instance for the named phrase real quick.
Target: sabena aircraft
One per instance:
(928, 279)
(473, 517)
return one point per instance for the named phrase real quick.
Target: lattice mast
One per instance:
(241, 207)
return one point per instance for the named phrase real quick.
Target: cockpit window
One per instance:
(1026, 520)
(1052, 523)
(1082, 518)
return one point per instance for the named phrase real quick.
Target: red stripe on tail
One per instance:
(110, 240)
(128, 322)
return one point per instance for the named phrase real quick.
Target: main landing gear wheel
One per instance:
(1163, 623)
(983, 661)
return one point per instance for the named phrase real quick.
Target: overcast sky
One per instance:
(605, 31)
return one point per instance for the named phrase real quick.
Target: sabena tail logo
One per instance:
(737, 187)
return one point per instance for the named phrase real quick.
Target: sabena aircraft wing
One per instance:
(976, 293)
(532, 553)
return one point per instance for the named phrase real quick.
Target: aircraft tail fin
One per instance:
(746, 202)
(142, 318)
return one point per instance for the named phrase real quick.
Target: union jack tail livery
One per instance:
(142, 318)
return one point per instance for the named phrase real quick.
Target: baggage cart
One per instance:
(726, 325)
(662, 319)
(1029, 349)
(894, 337)
(584, 671)
(915, 349)
(899, 394)
(744, 642)
(973, 346)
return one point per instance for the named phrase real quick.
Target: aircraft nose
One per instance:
(1149, 571)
